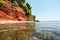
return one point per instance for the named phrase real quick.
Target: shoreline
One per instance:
(3, 22)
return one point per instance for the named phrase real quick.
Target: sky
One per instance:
(45, 10)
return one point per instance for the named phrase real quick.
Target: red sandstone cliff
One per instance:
(9, 12)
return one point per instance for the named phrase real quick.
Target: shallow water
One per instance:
(16, 31)
(30, 31)
(50, 30)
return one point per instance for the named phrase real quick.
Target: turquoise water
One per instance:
(50, 30)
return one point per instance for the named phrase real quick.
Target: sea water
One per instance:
(43, 30)
(50, 30)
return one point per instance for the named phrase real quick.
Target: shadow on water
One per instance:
(24, 31)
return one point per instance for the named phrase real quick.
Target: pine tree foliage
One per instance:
(25, 6)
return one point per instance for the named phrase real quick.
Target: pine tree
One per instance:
(25, 6)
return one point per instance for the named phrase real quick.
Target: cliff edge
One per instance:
(10, 11)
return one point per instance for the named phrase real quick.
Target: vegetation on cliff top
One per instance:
(25, 6)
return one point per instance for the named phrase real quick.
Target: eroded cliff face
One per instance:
(30, 18)
(11, 12)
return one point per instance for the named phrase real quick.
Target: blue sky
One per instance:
(46, 10)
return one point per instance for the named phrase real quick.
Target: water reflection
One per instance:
(27, 31)
(48, 30)
(16, 31)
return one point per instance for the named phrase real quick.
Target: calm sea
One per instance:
(30, 30)
(49, 30)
